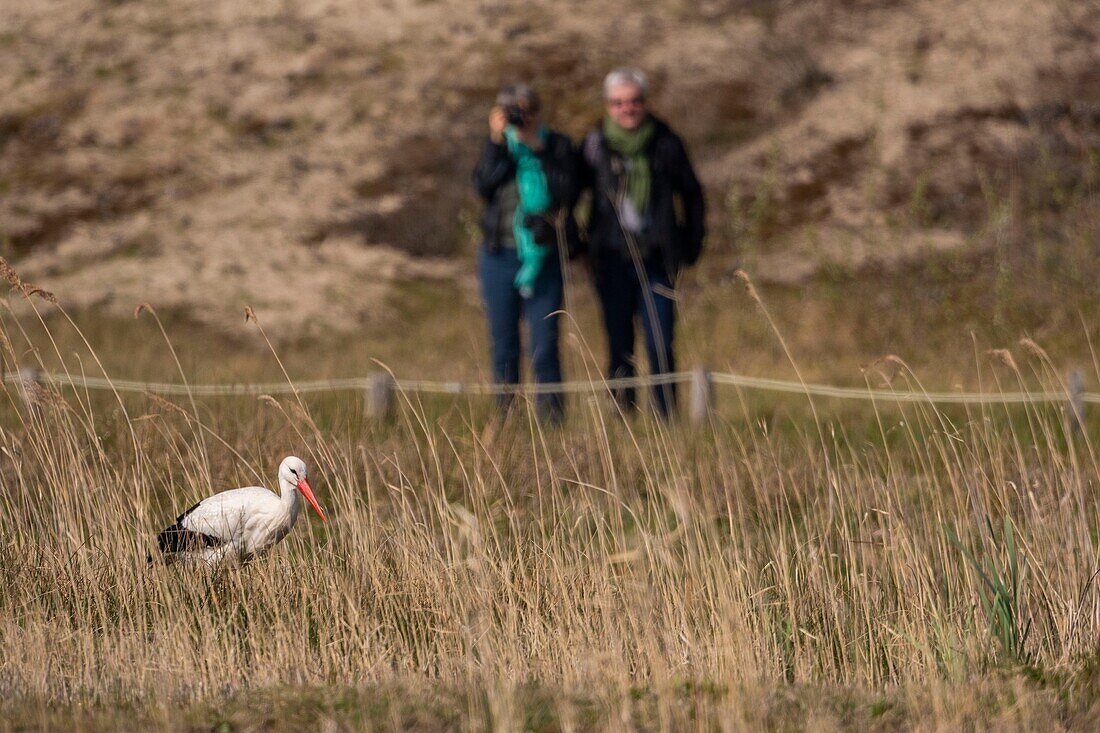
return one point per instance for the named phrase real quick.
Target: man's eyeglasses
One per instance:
(629, 102)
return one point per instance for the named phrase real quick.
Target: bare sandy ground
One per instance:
(302, 157)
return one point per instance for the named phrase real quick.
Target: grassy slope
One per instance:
(941, 317)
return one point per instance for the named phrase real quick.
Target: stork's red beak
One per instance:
(303, 487)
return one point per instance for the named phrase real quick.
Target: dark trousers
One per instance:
(623, 295)
(504, 308)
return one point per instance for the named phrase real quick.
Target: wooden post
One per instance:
(28, 378)
(1075, 410)
(378, 399)
(702, 395)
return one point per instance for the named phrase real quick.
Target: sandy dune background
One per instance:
(301, 157)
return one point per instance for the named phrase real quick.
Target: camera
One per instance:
(515, 115)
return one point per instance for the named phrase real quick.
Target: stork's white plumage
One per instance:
(238, 525)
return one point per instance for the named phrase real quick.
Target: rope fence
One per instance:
(338, 385)
(379, 389)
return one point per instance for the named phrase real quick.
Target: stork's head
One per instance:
(292, 473)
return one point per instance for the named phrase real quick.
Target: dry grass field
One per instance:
(791, 565)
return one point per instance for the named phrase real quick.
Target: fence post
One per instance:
(28, 378)
(702, 395)
(378, 399)
(1075, 410)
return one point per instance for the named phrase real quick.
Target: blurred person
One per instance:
(647, 222)
(528, 178)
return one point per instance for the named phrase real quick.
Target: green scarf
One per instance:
(632, 145)
(534, 198)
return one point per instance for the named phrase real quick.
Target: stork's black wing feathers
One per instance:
(180, 539)
(177, 538)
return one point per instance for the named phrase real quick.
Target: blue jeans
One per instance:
(504, 308)
(623, 297)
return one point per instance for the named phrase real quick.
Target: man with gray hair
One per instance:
(647, 222)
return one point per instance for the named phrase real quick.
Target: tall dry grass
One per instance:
(925, 567)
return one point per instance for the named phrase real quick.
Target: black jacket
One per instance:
(559, 162)
(676, 240)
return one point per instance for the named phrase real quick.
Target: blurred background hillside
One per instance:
(899, 164)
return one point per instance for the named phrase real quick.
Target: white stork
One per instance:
(238, 525)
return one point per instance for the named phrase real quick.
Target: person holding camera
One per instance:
(647, 222)
(527, 176)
